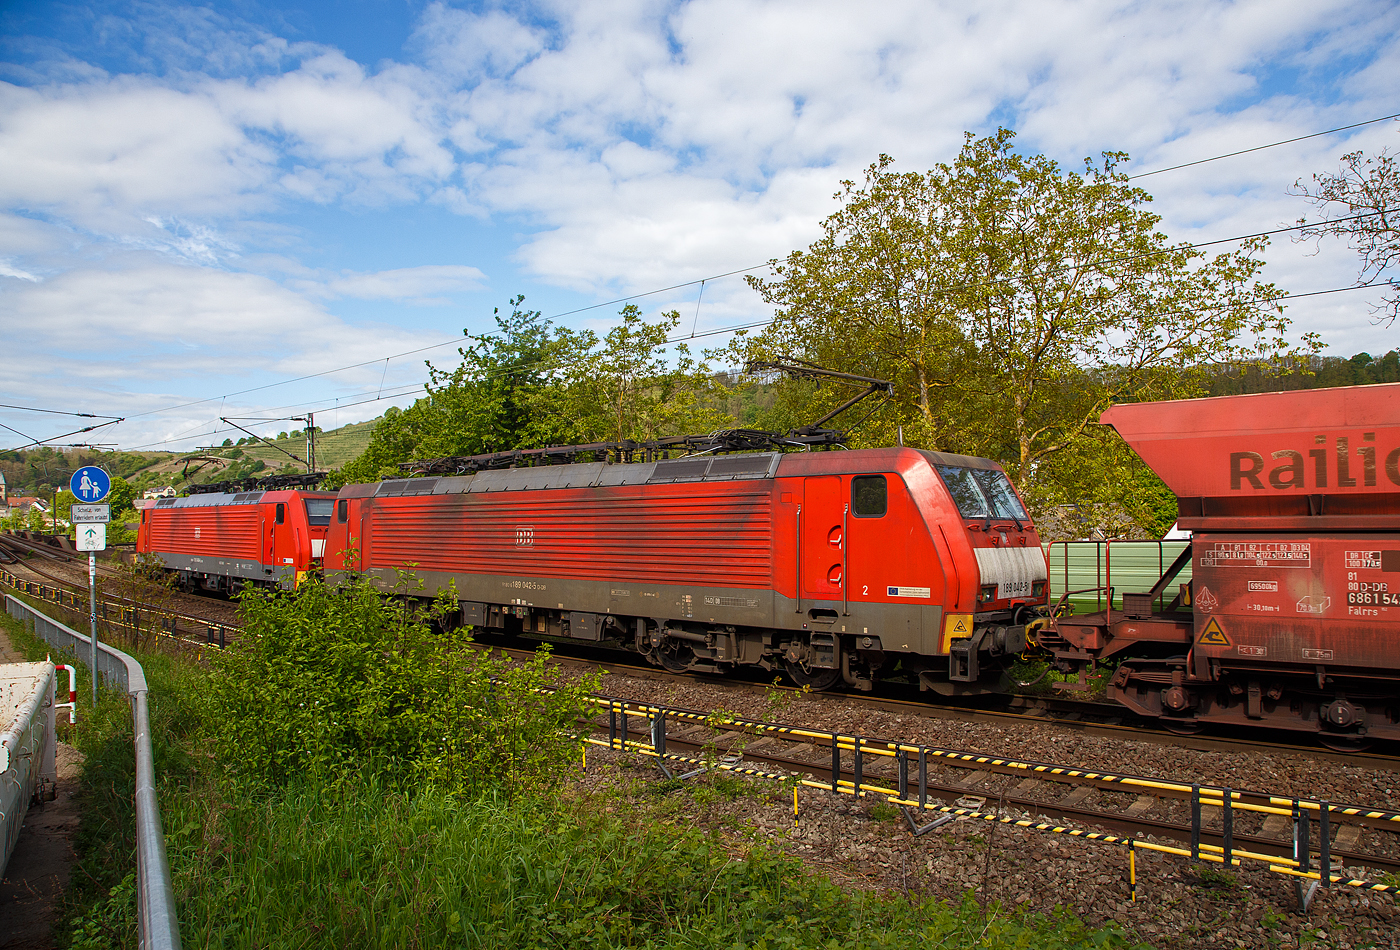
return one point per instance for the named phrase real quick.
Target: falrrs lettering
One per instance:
(1289, 469)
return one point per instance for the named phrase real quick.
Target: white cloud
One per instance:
(145, 317)
(8, 269)
(105, 155)
(624, 145)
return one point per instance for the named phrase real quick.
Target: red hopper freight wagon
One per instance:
(1294, 605)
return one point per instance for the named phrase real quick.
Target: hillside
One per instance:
(43, 470)
(333, 449)
(245, 457)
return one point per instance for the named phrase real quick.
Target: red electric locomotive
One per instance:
(1292, 616)
(830, 565)
(222, 541)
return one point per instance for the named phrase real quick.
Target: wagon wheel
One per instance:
(815, 680)
(1339, 742)
(1182, 727)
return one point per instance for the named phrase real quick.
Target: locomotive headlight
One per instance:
(986, 594)
(1038, 589)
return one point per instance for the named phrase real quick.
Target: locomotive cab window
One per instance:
(281, 512)
(342, 511)
(869, 496)
(318, 511)
(982, 493)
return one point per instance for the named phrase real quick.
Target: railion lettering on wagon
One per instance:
(1324, 466)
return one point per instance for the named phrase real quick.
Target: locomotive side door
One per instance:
(823, 541)
(276, 540)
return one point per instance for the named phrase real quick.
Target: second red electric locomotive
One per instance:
(223, 541)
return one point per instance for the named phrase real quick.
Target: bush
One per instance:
(368, 782)
(326, 683)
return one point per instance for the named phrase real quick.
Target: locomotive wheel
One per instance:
(815, 680)
(1344, 743)
(675, 656)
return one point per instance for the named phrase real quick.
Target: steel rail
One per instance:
(210, 628)
(159, 929)
(1033, 708)
(1246, 801)
(1293, 859)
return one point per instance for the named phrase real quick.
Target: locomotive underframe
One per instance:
(226, 575)
(818, 643)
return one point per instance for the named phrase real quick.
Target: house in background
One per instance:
(22, 505)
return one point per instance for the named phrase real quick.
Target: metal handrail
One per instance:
(1101, 565)
(155, 910)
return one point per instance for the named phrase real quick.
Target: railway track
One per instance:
(1082, 718)
(1294, 836)
(118, 612)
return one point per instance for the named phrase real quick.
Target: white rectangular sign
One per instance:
(90, 514)
(92, 537)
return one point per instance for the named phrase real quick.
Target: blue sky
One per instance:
(199, 200)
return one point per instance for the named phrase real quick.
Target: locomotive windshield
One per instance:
(982, 493)
(318, 511)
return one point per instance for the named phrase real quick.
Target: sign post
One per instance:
(91, 484)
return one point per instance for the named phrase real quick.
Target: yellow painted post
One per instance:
(794, 805)
(1132, 870)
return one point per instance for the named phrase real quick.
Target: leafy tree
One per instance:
(533, 384)
(1011, 302)
(627, 390)
(503, 395)
(1362, 204)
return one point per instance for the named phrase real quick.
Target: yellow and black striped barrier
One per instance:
(1298, 867)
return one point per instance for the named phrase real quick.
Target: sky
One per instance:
(256, 210)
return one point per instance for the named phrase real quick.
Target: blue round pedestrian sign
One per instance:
(90, 484)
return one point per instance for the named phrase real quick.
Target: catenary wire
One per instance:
(731, 273)
(434, 346)
(1260, 148)
(326, 403)
(701, 281)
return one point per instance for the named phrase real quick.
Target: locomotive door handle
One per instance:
(798, 554)
(845, 570)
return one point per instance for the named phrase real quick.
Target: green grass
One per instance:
(366, 867)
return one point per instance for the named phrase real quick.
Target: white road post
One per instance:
(92, 610)
(91, 484)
